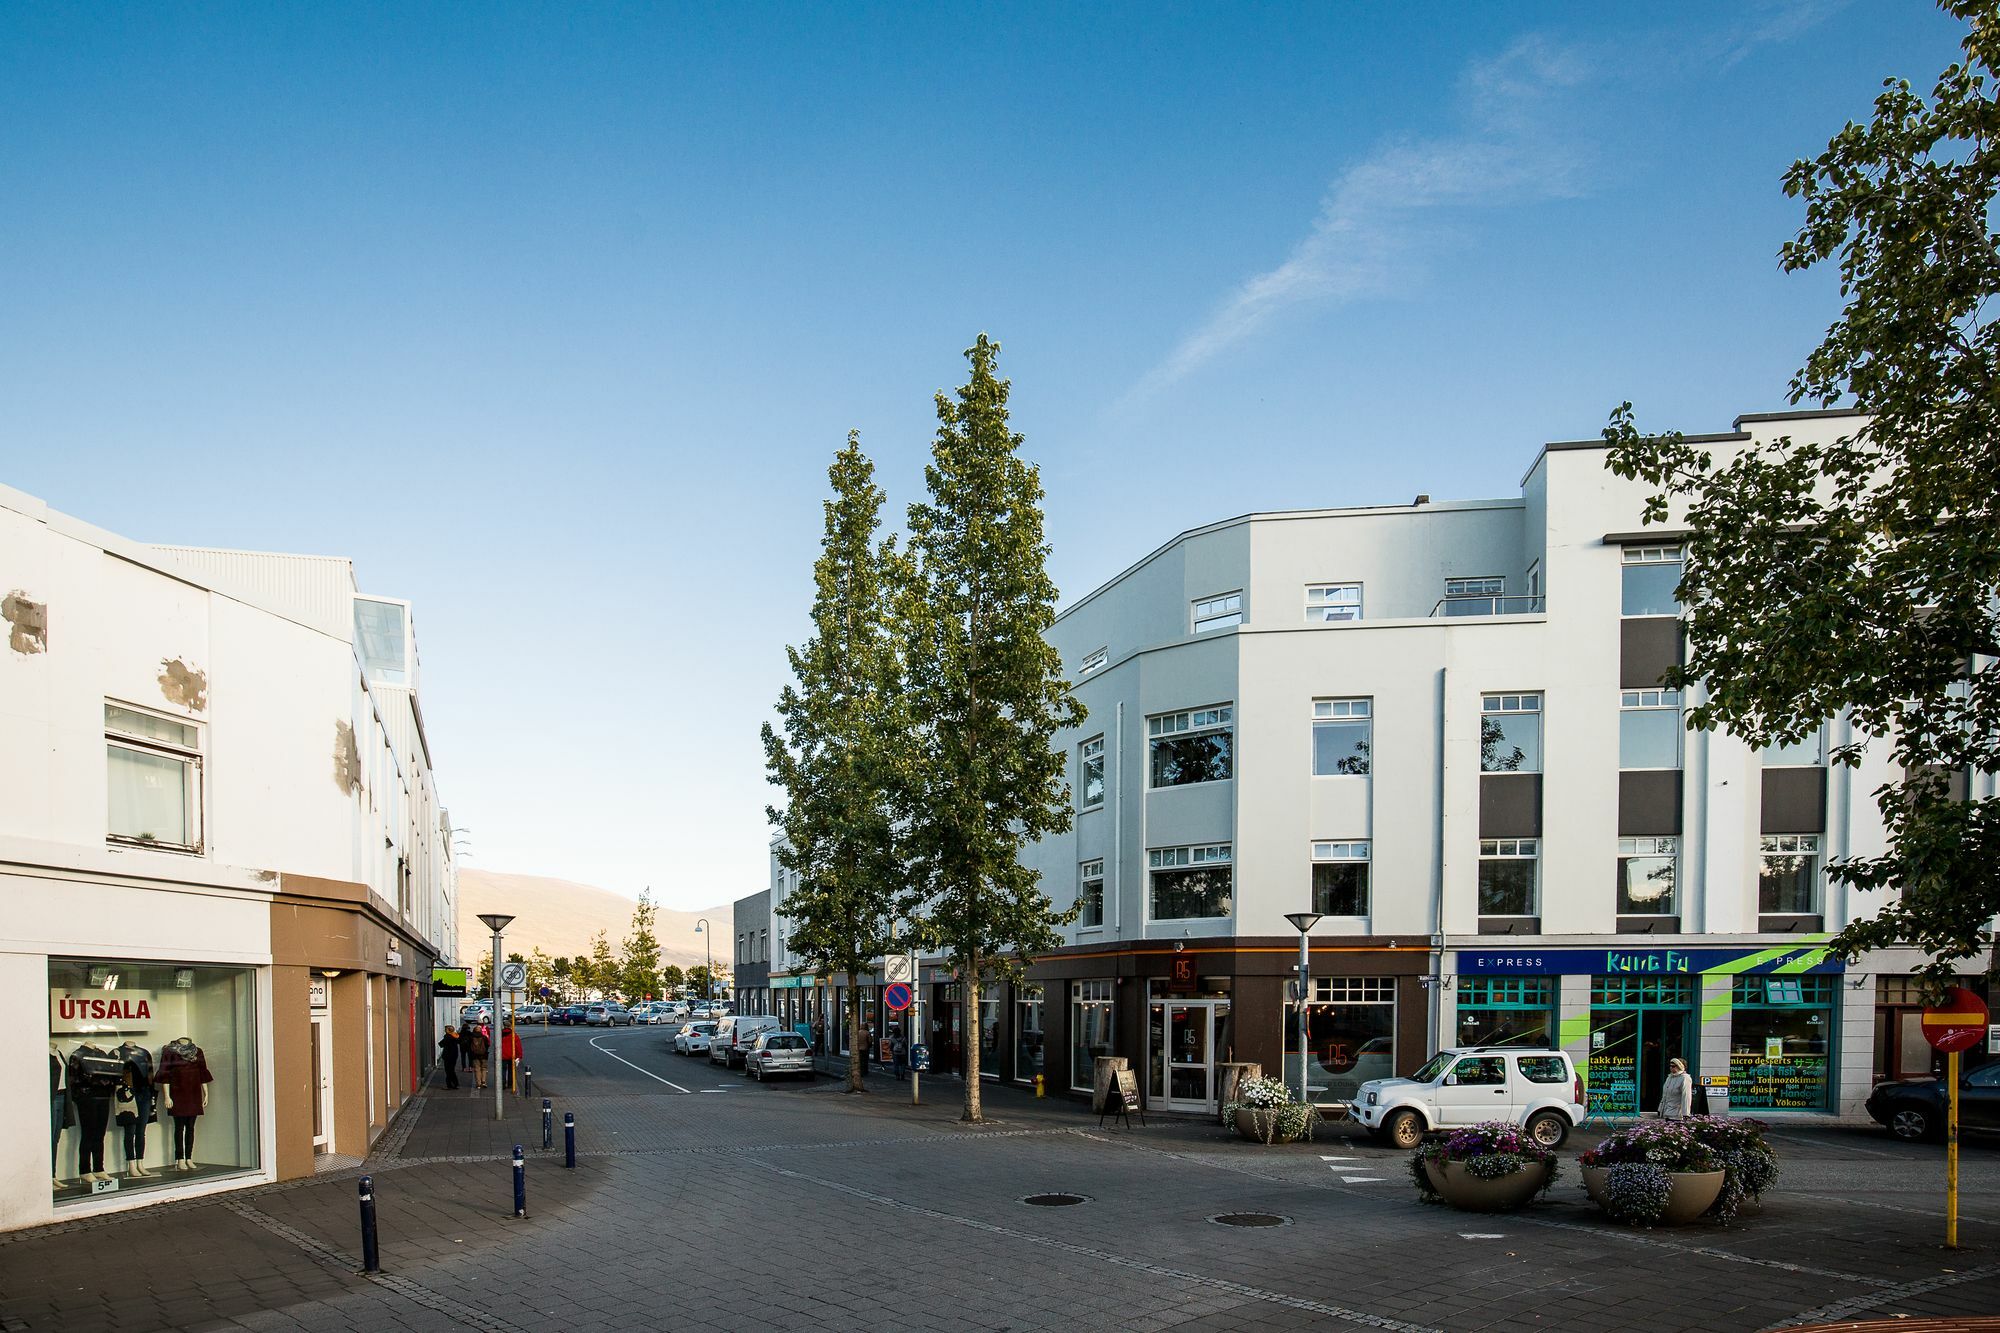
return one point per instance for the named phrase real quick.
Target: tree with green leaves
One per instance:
(1861, 577)
(581, 976)
(841, 753)
(987, 693)
(641, 972)
(700, 984)
(605, 972)
(559, 976)
(671, 980)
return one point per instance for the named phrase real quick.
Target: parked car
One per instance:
(532, 1013)
(693, 1038)
(1530, 1086)
(608, 1014)
(474, 1013)
(775, 1052)
(568, 1015)
(733, 1035)
(1914, 1109)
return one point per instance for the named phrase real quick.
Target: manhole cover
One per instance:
(1251, 1220)
(1055, 1200)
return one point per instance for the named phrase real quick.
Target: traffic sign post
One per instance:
(1955, 1023)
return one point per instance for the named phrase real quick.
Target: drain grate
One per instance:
(1251, 1220)
(1055, 1200)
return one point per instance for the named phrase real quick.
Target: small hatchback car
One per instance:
(774, 1053)
(1533, 1087)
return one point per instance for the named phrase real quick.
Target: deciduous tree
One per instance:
(641, 969)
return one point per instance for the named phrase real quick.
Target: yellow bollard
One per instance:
(1039, 1086)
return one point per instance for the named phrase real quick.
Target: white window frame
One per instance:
(1515, 849)
(1344, 710)
(1191, 722)
(1476, 585)
(1651, 701)
(1526, 701)
(1320, 602)
(1093, 661)
(1222, 611)
(1183, 858)
(1354, 990)
(189, 755)
(1089, 750)
(1325, 852)
(1636, 848)
(1535, 579)
(1654, 555)
(1763, 754)
(1085, 874)
(1794, 844)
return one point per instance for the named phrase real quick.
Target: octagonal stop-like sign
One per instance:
(1956, 1023)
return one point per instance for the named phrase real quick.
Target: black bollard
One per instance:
(520, 1183)
(371, 1251)
(548, 1124)
(569, 1138)
(527, 1081)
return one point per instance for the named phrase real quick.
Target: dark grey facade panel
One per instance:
(1510, 805)
(1649, 803)
(1794, 800)
(1648, 647)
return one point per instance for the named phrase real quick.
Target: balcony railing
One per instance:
(1450, 607)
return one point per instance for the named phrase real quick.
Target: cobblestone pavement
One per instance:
(702, 1201)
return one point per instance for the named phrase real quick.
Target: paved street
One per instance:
(703, 1201)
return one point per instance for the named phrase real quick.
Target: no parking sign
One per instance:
(896, 997)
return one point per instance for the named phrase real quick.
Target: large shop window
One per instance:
(1191, 882)
(1350, 1035)
(1089, 1030)
(152, 1075)
(1637, 1024)
(1027, 1033)
(1506, 1011)
(1191, 747)
(989, 1030)
(152, 779)
(1781, 1043)
(1340, 878)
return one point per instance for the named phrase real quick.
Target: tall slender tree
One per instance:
(605, 973)
(641, 970)
(988, 694)
(842, 747)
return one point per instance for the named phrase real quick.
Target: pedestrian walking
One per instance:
(476, 1048)
(1677, 1092)
(449, 1049)
(899, 1051)
(510, 1054)
(819, 1036)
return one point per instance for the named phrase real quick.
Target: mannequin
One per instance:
(61, 1114)
(184, 1074)
(94, 1077)
(136, 1104)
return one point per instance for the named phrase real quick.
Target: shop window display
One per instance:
(1506, 1011)
(1780, 1040)
(152, 1075)
(1350, 1033)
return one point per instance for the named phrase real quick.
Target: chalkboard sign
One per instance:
(1121, 1098)
(1128, 1090)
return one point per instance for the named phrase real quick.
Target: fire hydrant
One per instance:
(1039, 1086)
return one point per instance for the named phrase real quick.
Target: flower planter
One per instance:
(1258, 1125)
(1689, 1195)
(1502, 1194)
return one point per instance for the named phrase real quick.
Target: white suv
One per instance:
(1533, 1087)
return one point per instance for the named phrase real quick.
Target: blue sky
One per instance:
(552, 318)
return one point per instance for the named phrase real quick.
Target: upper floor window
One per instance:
(381, 638)
(1327, 603)
(1651, 575)
(1482, 596)
(1343, 737)
(1191, 882)
(1090, 893)
(1195, 746)
(1510, 733)
(1509, 876)
(1093, 661)
(1218, 612)
(1807, 752)
(1340, 878)
(1649, 729)
(1788, 874)
(1486, 586)
(152, 779)
(1646, 876)
(1091, 754)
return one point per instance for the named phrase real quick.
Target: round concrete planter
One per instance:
(1502, 1194)
(1255, 1124)
(1689, 1194)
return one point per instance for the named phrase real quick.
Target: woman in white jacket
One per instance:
(1677, 1093)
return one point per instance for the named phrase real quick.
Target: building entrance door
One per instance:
(1181, 1044)
(322, 1084)
(1637, 1024)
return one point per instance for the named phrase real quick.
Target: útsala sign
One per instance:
(101, 1011)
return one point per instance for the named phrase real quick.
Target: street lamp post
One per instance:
(1303, 922)
(496, 922)
(708, 943)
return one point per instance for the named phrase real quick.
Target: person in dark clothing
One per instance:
(448, 1049)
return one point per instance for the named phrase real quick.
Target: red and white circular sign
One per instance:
(1958, 1022)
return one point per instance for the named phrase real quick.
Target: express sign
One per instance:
(1958, 1022)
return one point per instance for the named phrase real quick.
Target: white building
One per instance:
(221, 853)
(1440, 727)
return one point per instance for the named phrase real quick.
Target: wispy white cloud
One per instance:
(1376, 216)
(1769, 21)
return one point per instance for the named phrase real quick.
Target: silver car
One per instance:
(773, 1053)
(693, 1038)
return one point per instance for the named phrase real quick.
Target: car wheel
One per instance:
(757, 1074)
(1912, 1124)
(1548, 1128)
(1405, 1129)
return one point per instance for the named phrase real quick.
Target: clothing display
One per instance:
(137, 1104)
(94, 1078)
(184, 1074)
(61, 1114)
(183, 1141)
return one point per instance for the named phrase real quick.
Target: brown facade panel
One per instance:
(1649, 803)
(1648, 647)
(1794, 800)
(292, 1088)
(1510, 805)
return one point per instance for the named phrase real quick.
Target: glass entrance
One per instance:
(322, 1085)
(1637, 1024)
(1181, 1043)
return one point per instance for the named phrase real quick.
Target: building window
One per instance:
(1649, 729)
(1092, 756)
(1027, 1033)
(1651, 575)
(1493, 586)
(1330, 603)
(381, 640)
(1535, 580)
(1510, 733)
(1218, 612)
(1340, 878)
(1506, 1011)
(1350, 1036)
(1806, 752)
(1507, 876)
(1343, 737)
(153, 779)
(1191, 747)
(763, 946)
(1191, 882)
(1093, 661)
(1788, 881)
(1646, 876)
(1089, 1030)
(1780, 1043)
(1090, 893)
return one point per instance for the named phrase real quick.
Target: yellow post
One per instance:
(1951, 1152)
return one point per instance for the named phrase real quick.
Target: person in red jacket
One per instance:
(510, 1052)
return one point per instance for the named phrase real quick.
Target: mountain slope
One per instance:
(559, 917)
